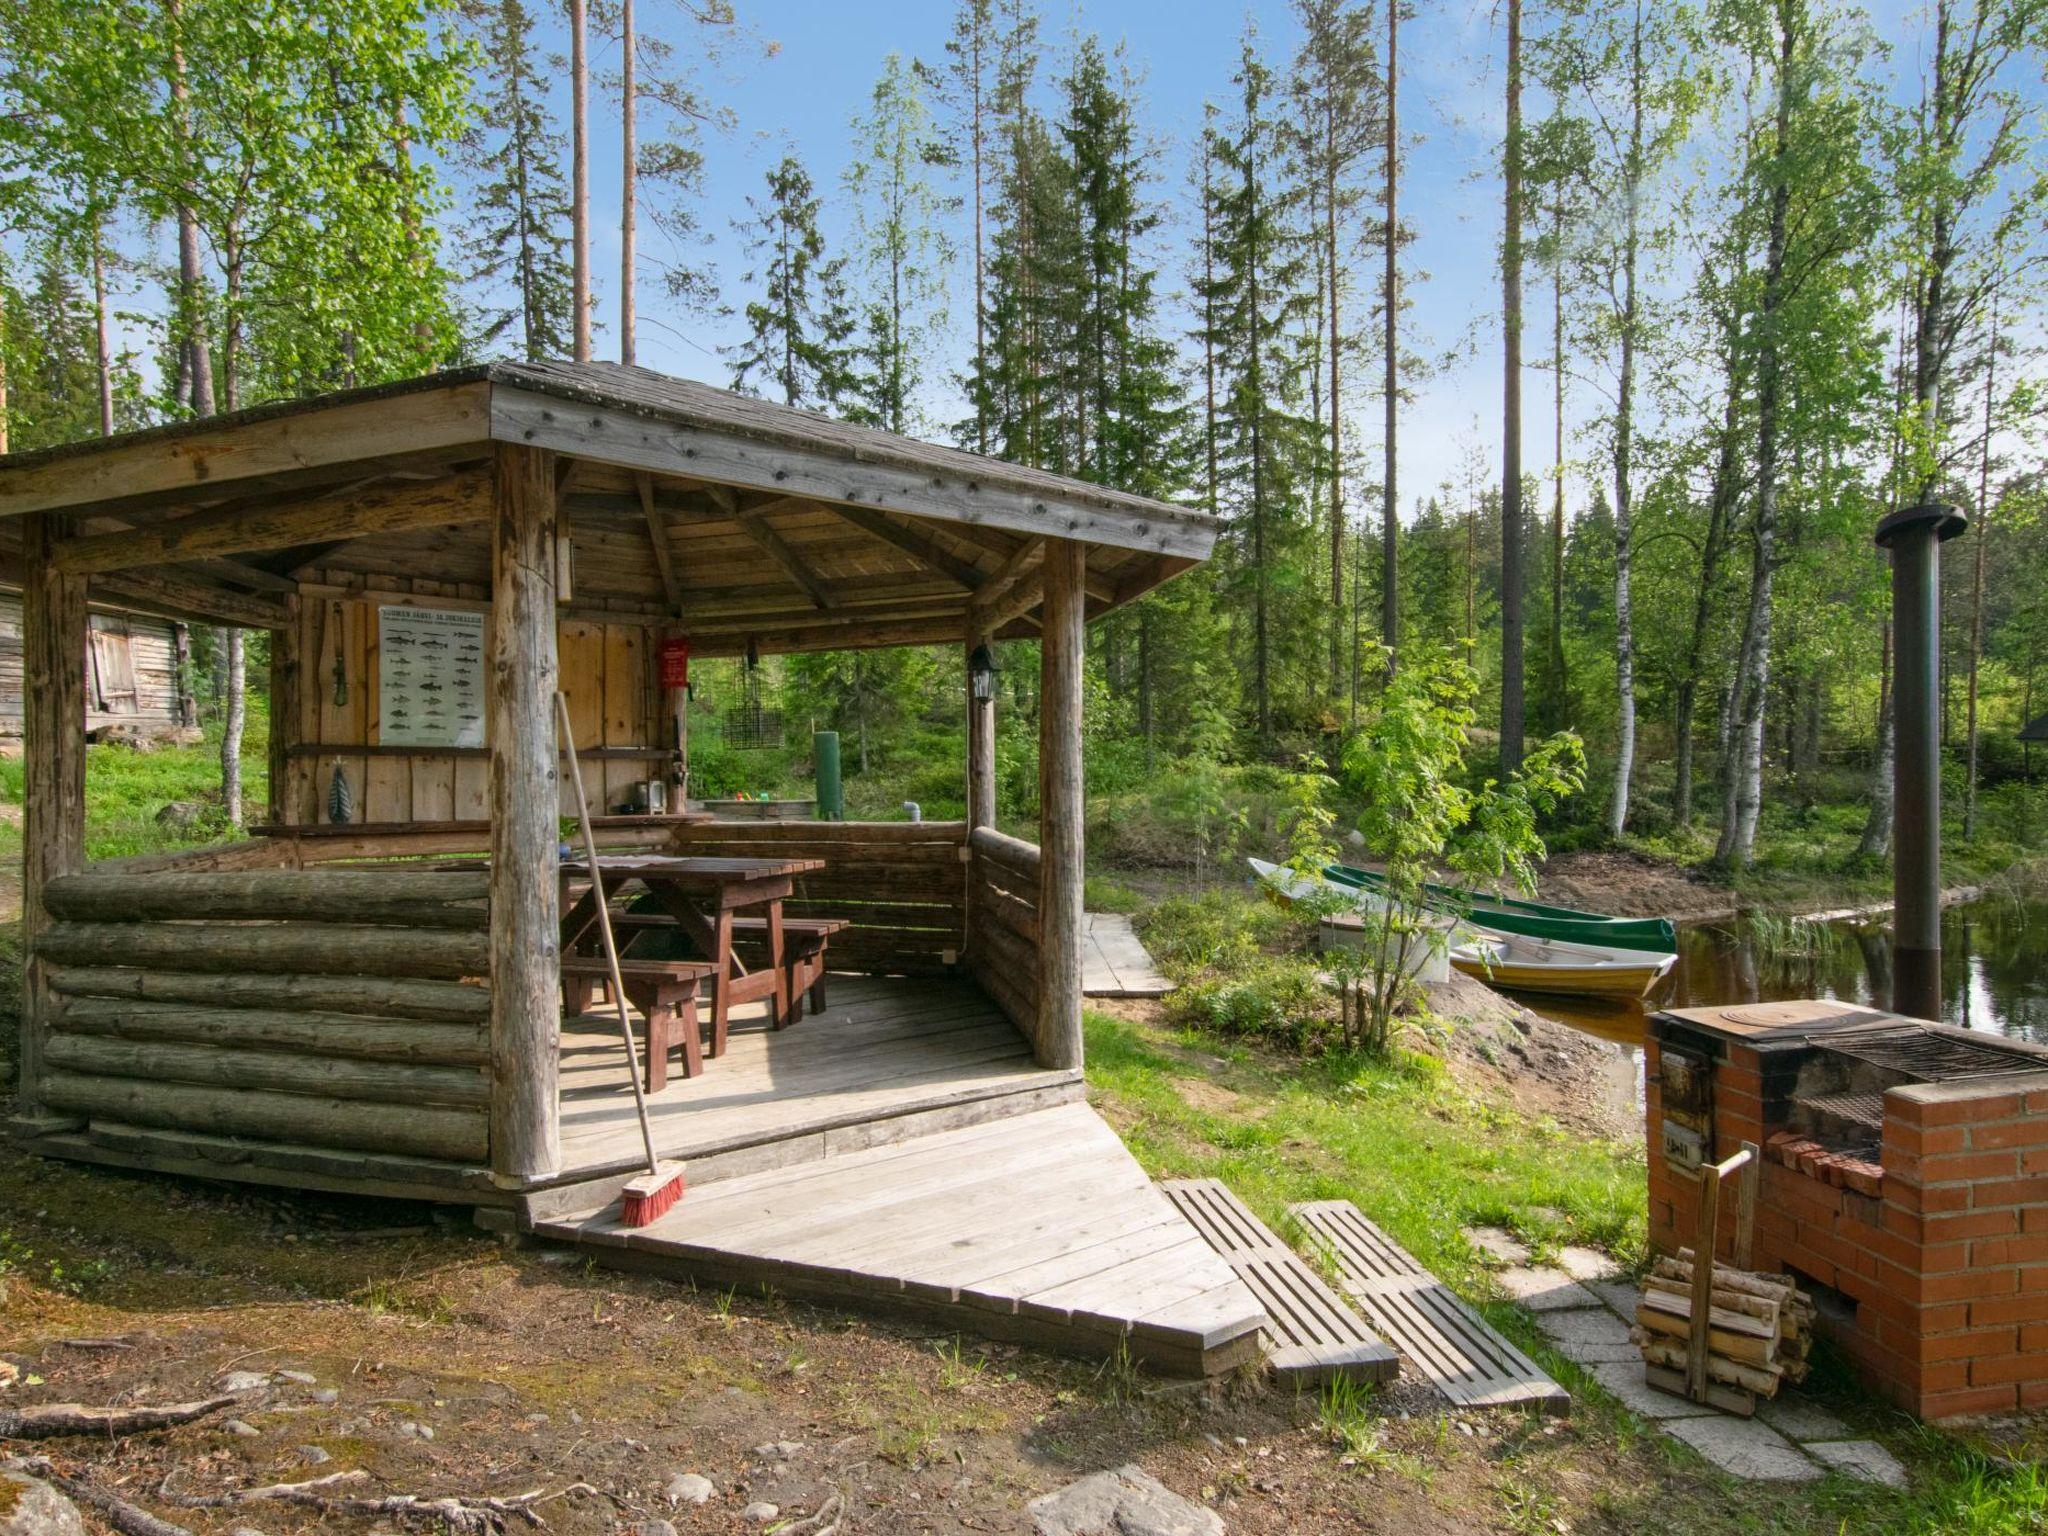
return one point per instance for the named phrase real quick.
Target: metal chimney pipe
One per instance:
(1914, 535)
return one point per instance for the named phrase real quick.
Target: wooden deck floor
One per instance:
(890, 1056)
(1038, 1227)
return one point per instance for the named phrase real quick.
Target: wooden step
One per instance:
(1451, 1346)
(1311, 1336)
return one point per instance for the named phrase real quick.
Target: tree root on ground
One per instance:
(54, 1419)
(462, 1516)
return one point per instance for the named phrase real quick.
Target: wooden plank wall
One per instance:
(151, 645)
(337, 1012)
(1002, 924)
(902, 884)
(608, 673)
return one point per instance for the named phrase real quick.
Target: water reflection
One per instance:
(1994, 970)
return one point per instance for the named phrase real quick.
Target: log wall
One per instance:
(902, 884)
(287, 1010)
(608, 672)
(1002, 924)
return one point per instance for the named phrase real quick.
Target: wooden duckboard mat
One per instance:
(1453, 1348)
(1039, 1228)
(1313, 1336)
(1115, 964)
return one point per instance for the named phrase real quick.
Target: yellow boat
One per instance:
(1537, 965)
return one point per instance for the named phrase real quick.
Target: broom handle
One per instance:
(604, 928)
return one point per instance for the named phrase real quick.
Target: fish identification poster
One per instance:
(430, 677)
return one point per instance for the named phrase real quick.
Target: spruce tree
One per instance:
(799, 328)
(516, 250)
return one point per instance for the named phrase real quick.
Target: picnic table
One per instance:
(704, 896)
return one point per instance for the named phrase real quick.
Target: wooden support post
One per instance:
(284, 716)
(53, 798)
(981, 745)
(526, 985)
(1060, 916)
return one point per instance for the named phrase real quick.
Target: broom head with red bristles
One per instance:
(651, 1196)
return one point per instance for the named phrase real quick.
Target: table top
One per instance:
(659, 866)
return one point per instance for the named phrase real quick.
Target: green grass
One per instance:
(125, 787)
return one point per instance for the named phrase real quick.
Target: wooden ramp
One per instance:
(1039, 1228)
(1313, 1335)
(1115, 964)
(1451, 1346)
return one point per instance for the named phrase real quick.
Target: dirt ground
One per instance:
(1630, 885)
(1541, 1066)
(438, 1361)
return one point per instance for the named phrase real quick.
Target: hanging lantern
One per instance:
(981, 673)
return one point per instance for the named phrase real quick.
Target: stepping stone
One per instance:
(1544, 1290)
(1498, 1243)
(1802, 1420)
(1125, 1500)
(1624, 1380)
(1622, 1295)
(1744, 1448)
(1589, 1335)
(1865, 1460)
(1453, 1348)
(1587, 1264)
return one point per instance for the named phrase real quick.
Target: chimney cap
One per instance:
(1938, 517)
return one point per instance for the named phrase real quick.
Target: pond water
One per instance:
(1994, 970)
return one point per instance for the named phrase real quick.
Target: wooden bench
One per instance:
(804, 941)
(665, 992)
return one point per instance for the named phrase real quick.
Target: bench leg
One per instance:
(660, 1016)
(818, 988)
(687, 1025)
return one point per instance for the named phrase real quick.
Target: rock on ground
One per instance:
(29, 1507)
(689, 1488)
(1127, 1501)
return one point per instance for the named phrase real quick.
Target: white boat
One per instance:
(1511, 960)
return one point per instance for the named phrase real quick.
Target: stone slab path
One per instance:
(1585, 1308)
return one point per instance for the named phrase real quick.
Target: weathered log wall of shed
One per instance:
(284, 1010)
(131, 670)
(901, 884)
(1002, 924)
(608, 672)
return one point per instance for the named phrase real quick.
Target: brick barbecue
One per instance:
(1904, 1183)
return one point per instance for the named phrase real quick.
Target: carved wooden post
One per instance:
(53, 731)
(284, 715)
(1060, 805)
(526, 989)
(981, 744)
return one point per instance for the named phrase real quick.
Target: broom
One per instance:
(654, 1193)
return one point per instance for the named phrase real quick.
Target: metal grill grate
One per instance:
(1841, 1111)
(1933, 1056)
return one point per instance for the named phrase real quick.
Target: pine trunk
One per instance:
(1511, 690)
(629, 175)
(579, 162)
(1390, 499)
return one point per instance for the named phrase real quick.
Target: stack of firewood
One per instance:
(1759, 1333)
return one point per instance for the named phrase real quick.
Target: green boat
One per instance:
(1532, 919)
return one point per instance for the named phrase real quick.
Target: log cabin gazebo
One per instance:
(321, 1006)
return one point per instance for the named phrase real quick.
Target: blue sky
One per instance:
(827, 56)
